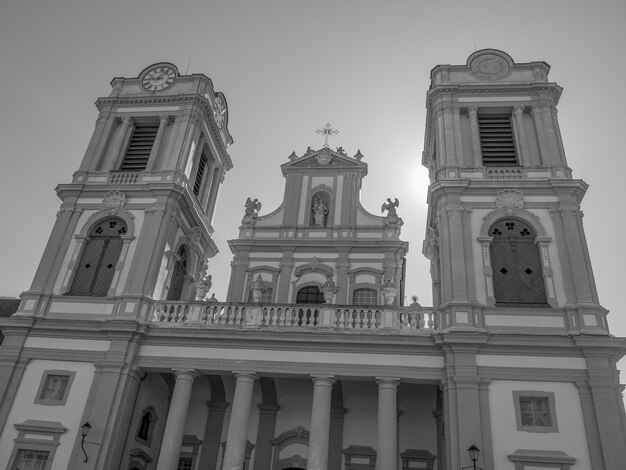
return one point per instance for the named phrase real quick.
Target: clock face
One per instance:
(158, 78)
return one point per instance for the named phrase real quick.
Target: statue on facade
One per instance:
(204, 283)
(392, 216)
(389, 291)
(319, 212)
(257, 288)
(329, 289)
(251, 212)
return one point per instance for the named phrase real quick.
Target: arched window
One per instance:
(320, 207)
(178, 276)
(146, 425)
(364, 296)
(95, 270)
(310, 295)
(517, 273)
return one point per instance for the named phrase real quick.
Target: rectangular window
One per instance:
(197, 184)
(364, 296)
(140, 146)
(185, 463)
(54, 387)
(28, 459)
(497, 143)
(535, 411)
(35, 444)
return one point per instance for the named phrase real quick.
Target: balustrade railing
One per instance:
(504, 173)
(123, 177)
(404, 320)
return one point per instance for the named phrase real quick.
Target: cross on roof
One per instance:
(327, 130)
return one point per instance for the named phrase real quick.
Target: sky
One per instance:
(287, 68)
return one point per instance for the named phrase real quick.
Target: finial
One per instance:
(293, 156)
(358, 155)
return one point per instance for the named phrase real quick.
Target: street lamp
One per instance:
(84, 430)
(474, 452)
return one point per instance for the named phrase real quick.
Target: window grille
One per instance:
(139, 147)
(496, 140)
(54, 387)
(185, 463)
(28, 459)
(197, 185)
(310, 295)
(535, 411)
(100, 255)
(364, 296)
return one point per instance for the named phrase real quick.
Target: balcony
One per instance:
(316, 317)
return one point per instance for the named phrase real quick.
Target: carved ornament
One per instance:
(115, 200)
(510, 199)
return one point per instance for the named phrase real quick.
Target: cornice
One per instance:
(492, 89)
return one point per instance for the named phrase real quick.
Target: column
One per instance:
(520, 131)
(218, 177)
(458, 143)
(387, 452)
(535, 111)
(475, 131)
(176, 418)
(208, 181)
(158, 140)
(589, 416)
(320, 423)
(127, 123)
(267, 424)
(212, 434)
(97, 144)
(286, 267)
(550, 133)
(235, 453)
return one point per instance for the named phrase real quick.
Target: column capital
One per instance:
(323, 380)
(518, 110)
(472, 111)
(387, 382)
(245, 376)
(185, 374)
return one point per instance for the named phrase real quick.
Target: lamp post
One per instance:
(473, 452)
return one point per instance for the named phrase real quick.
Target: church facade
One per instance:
(117, 358)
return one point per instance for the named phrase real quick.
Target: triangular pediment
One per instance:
(325, 158)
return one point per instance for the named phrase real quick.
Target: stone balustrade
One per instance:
(404, 320)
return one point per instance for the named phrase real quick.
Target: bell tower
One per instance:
(136, 220)
(504, 233)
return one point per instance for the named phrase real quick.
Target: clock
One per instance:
(158, 78)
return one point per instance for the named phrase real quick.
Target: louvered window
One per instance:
(364, 296)
(497, 143)
(100, 255)
(140, 146)
(517, 272)
(197, 185)
(178, 276)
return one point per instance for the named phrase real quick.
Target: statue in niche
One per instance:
(319, 212)
(251, 212)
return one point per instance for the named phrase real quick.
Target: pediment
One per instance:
(325, 158)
